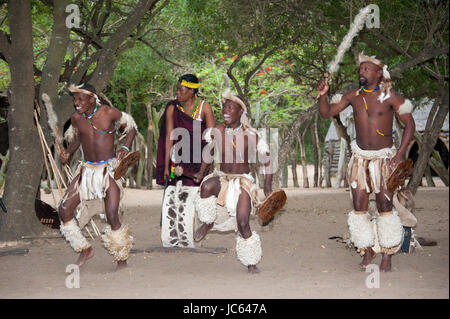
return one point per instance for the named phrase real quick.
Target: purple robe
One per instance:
(180, 120)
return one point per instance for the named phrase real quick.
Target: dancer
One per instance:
(374, 157)
(233, 186)
(93, 127)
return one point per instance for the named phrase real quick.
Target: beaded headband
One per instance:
(190, 85)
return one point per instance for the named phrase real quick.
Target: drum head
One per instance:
(400, 174)
(272, 205)
(125, 163)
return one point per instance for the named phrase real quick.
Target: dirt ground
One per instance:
(299, 261)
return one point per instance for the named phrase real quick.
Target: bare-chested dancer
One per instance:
(374, 156)
(233, 186)
(93, 127)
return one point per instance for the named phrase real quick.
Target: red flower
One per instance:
(268, 69)
(260, 73)
(76, 69)
(263, 92)
(222, 58)
(286, 61)
(234, 57)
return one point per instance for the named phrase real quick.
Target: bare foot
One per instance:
(385, 265)
(252, 269)
(368, 257)
(121, 264)
(202, 231)
(85, 255)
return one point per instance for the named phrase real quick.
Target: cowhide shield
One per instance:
(178, 216)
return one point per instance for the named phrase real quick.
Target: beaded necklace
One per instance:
(195, 110)
(92, 114)
(370, 91)
(367, 110)
(88, 118)
(231, 132)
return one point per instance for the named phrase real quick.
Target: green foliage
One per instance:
(204, 37)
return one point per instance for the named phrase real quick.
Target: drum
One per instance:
(47, 215)
(129, 160)
(272, 205)
(178, 216)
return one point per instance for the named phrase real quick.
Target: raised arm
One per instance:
(326, 109)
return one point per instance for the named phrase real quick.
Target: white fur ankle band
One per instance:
(72, 233)
(389, 230)
(117, 242)
(249, 251)
(361, 230)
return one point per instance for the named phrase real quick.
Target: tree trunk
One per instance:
(54, 64)
(341, 164)
(149, 147)
(316, 151)
(428, 177)
(26, 161)
(328, 159)
(439, 167)
(429, 139)
(284, 176)
(302, 116)
(129, 100)
(294, 166)
(303, 158)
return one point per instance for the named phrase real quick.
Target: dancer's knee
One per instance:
(210, 187)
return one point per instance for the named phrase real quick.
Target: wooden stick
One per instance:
(45, 158)
(50, 157)
(211, 250)
(16, 251)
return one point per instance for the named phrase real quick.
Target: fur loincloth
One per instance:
(93, 180)
(92, 183)
(368, 170)
(230, 189)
